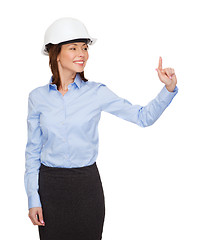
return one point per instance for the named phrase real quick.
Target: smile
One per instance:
(79, 63)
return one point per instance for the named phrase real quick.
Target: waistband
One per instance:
(91, 169)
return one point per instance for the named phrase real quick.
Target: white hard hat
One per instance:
(65, 29)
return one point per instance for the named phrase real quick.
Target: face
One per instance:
(73, 57)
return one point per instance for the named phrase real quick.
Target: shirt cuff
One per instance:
(175, 89)
(34, 201)
(166, 96)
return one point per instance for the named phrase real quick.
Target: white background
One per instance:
(150, 176)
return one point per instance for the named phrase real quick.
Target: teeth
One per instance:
(79, 62)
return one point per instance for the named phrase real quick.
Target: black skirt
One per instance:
(72, 202)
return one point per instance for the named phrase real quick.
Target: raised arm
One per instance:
(143, 116)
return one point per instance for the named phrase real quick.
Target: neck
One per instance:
(66, 78)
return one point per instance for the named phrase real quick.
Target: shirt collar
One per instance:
(77, 82)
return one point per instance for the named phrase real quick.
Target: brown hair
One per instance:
(54, 50)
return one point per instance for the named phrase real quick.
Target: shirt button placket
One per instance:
(64, 113)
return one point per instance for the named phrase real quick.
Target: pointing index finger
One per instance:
(160, 63)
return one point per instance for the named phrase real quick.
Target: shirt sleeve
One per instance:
(32, 154)
(143, 116)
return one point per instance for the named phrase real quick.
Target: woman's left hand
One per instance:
(167, 76)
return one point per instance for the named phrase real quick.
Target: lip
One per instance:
(80, 64)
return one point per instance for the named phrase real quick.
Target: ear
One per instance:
(58, 57)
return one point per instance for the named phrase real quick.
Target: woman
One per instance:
(63, 185)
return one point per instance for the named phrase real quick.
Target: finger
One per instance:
(167, 72)
(172, 72)
(160, 63)
(34, 219)
(29, 215)
(41, 217)
(31, 220)
(163, 77)
(174, 79)
(159, 73)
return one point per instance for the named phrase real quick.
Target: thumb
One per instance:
(41, 216)
(159, 72)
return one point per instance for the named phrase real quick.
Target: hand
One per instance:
(33, 215)
(167, 76)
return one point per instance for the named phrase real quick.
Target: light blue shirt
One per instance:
(63, 130)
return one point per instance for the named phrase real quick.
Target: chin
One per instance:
(80, 69)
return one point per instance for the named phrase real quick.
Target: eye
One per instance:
(72, 48)
(86, 48)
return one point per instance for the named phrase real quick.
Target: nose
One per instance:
(81, 53)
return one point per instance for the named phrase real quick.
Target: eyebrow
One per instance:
(76, 44)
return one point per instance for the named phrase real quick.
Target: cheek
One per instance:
(67, 58)
(87, 56)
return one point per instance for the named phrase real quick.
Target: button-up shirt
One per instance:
(63, 130)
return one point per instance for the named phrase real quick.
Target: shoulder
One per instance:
(37, 95)
(102, 91)
(38, 90)
(94, 85)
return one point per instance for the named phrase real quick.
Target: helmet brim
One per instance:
(45, 52)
